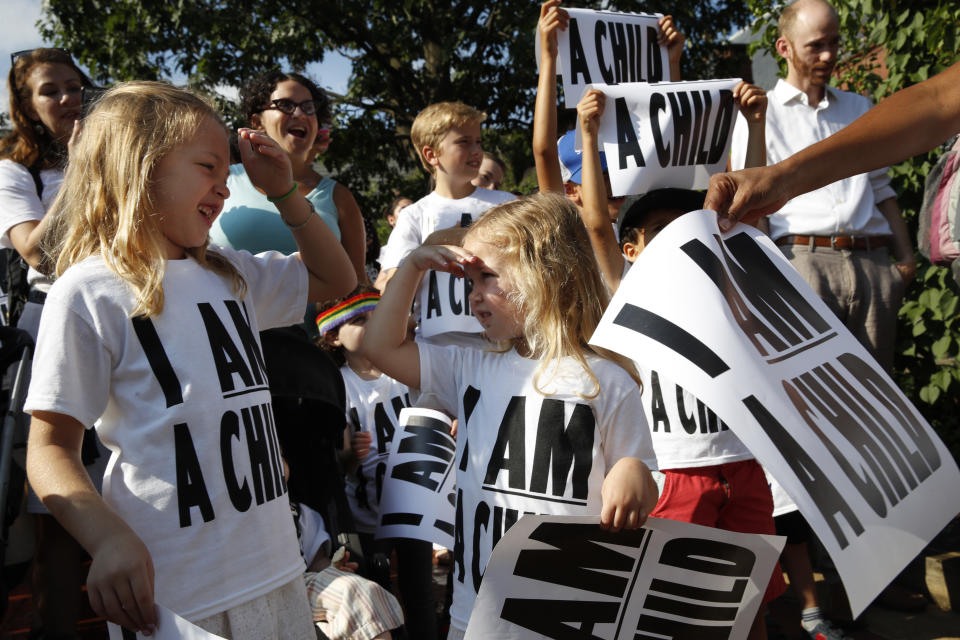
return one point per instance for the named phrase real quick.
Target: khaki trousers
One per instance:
(863, 288)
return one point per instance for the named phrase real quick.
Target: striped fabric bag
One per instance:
(939, 228)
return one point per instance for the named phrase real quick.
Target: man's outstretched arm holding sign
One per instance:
(910, 121)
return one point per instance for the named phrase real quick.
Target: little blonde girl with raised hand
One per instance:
(547, 423)
(154, 336)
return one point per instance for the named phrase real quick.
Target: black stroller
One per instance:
(309, 406)
(309, 409)
(16, 348)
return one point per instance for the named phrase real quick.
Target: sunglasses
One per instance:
(16, 55)
(289, 106)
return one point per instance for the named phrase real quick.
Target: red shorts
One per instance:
(733, 496)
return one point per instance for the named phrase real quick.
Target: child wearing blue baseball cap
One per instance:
(559, 165)
(571, 170)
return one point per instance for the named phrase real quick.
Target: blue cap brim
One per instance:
(571, 162)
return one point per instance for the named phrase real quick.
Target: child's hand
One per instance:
(74, 136)
(552, 20)
(589, 109)
(670, 37)
(120, 583)
(266, 164)
(440, 258)
(343, 563)
(629, 495)
(752, 101)
(360, 443)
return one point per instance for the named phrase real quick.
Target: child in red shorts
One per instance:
(710, 477)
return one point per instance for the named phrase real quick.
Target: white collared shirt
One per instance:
(846, 207)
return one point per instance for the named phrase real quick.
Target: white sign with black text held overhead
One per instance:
(730, 320)
(419, 498)
(671, 134)
(564, 577)
(609, 48)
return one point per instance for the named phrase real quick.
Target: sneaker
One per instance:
(826, 631)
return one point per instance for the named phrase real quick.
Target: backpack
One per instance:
(938, 236)
(14, 287)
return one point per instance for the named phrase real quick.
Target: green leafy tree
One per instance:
(887, 45)
(406, 54)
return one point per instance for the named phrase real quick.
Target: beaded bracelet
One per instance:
(293, 190)
(296, 227)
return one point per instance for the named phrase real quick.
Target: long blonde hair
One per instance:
(559, 293)
(106, 205)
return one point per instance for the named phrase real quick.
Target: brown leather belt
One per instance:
(852, 243)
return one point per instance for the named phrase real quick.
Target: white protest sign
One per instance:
(744, 333)
(170, 626)
(418, 496)
(671, 134)
(444, 305)
(608, 47)
(565, 577)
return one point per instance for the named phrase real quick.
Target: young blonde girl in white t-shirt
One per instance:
(547, 423)
(154, 336)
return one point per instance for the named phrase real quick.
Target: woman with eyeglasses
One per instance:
(289, 108)
(46, 98)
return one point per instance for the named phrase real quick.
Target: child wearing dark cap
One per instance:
(710, 477)
(639, 223)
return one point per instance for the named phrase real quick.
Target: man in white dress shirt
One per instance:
(839, 237)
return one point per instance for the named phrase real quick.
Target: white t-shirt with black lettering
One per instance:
(520, 451)
(433, 212)
(182, 401)
(19, 203)
(686, 433)
(372, 406)
(414, 224)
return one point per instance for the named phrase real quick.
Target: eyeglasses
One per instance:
(25, 52)
(289, 106)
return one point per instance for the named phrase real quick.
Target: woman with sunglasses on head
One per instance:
(289, 108)
(46, 99)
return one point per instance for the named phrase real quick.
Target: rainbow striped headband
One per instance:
(346, 311)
